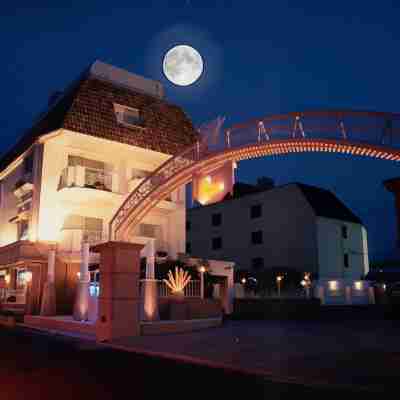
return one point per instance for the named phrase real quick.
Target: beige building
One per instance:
(291, 226)
(66, 177)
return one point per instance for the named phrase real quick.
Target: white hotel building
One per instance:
(65, 178)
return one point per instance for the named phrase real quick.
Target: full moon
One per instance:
(183, 65)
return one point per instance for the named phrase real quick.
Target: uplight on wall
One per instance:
(28, 277)
(333, 285)
(358, 285)
(7, 279)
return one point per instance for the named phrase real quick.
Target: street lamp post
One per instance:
(202, 269)
(278, 282)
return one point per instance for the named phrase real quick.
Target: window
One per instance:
(257, 263)
(216, 219)
(28, 164)
(256, 211)
(188, 225)
(92, 227)
(216, 243)
(257, 237)
(139, 173)
(344, 232)
(128, 116)
(149, 230)
(346, 260)
(74, 161)
(188, 248)
(23, 229)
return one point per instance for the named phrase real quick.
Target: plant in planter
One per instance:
(178, 282)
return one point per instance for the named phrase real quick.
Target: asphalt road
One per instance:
(36, 366)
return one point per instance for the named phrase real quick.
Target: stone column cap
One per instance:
(98, 248)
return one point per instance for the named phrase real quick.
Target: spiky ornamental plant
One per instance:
(178, 282)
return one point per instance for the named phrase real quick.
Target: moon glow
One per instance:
(183, 65)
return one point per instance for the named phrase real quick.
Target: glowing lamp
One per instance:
(28, 276)
(7, 278)
(78, 274)
(202, 269)
(358, 285)
(333, 285)
(279, 278)
(303, 283)
(208, 179)
(243, 280)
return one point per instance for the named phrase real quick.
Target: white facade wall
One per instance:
(8, 205)
(332, 248)
(55, 204)
(287, 223)
(293, 236)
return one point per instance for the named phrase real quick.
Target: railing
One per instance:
(94, 237)
(162, 174)
(78, 176)
(375, 134)
(192, 289)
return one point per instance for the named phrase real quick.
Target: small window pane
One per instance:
(257, 237)
(216, 219)
(216, 243)
(346, 260)
(256, 211)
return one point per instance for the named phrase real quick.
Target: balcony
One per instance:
(23, 187)
(81, 185)
(71, 241)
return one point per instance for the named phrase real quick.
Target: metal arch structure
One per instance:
(357, 133)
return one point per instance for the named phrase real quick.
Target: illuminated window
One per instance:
(257, 237)
(216, 243)
(92, 227)
(256, 211)
(344, 232)
(139, 173)
(128, 116)
(216, 219)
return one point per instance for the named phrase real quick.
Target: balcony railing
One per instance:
(79, 176)
(94, 237)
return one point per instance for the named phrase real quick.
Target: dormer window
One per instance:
(128, 116)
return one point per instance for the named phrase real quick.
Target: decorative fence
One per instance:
(192, 289)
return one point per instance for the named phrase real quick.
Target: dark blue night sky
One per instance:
(261, 57)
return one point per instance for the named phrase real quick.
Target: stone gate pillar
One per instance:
(119, 301)
(393, 185)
